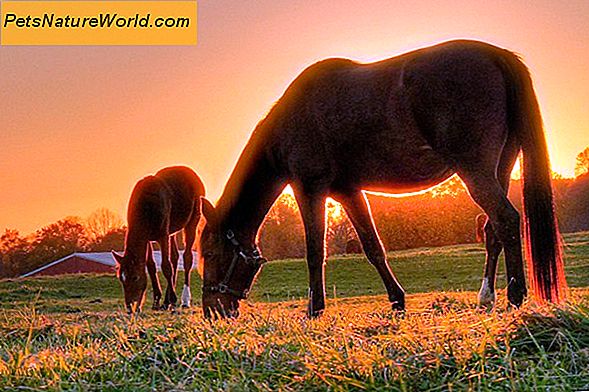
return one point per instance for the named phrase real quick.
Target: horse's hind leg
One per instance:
(312, 209)
(190, 236)
(490, 196)
(168, 270)
(493, 248)
(358, 210)
(174, 257)
(493, 245)
(155, 282)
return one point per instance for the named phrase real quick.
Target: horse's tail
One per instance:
(543, 242)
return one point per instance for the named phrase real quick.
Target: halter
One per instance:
(239, 253)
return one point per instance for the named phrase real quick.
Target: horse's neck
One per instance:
(136, 243)
(251, 190)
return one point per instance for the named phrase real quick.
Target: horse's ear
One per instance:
(209, 212)
(118, 258)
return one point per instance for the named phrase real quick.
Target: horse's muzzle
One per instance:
(133, 308)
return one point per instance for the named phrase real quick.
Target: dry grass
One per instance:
(444, 342)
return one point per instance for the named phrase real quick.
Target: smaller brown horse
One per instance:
(160, 206)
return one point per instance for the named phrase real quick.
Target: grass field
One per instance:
(69, 333)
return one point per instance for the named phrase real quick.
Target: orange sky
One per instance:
(80, 125)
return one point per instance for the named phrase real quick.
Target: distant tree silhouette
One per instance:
(14, 250)
(575, 214)
(339, 229)
(282, 233)
(353, 246)
(582, 163)
(114, 239)
(103, 221)
(56, 240)
(444, 215)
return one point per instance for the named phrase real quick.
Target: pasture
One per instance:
(70, 333)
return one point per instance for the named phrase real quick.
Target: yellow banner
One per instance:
(98, 23)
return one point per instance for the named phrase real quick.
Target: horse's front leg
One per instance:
(174, 257)
(168, 270)
(312, 209)
(358, 210)
(155, 283)
(190, 237)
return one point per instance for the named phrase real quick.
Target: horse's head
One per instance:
(229, 268)
(131, 273)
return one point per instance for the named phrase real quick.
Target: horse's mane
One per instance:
(246, 164)
(254, 148)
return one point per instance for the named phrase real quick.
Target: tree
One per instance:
(339, 229)
(575, 211)
(113, 240)
(582, 163)
(282, 234)
(57, 240)
(103, 221)
(13, 251)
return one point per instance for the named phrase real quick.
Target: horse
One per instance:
(402, 124)
(160, 205)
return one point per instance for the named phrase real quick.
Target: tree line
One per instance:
(102, 231)
(444, 215)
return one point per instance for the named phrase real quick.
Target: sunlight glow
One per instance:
(113, 123)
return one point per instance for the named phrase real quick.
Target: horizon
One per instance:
(81, 125)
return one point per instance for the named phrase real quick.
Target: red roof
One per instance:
(82, 262)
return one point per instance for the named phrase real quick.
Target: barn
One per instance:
(89, 262)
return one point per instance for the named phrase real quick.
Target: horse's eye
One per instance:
(209, 254)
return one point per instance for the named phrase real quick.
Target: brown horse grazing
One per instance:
(397, 125)
(160, 206)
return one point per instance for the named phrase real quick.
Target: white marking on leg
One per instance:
(186, 296)
(486, 296)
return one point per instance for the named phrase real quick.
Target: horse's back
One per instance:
(183, 180)
(458, 94)
(184, 189)
(147, 207)
(393, 123)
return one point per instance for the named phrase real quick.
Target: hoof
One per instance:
(516, 295)
(516, 299)
(516, 292)
(186, 297)
(487, 297)
(398, 306)
(316, 305)
(315, 313)
(165, 306)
